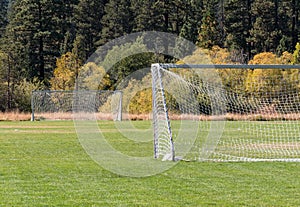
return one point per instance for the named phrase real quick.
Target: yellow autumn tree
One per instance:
(215, 55)
(137, 96)
(269, 80)
(286, 58)
(94, 77)
(66, 72)
(220, 55)
(296, 54)
(141, 103)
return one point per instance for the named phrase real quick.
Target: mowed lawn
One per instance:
(43, 164)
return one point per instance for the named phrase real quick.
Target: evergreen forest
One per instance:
(43, 43)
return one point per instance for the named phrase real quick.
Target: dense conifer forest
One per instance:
(42, 42)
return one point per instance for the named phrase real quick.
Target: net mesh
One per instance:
(60, 105)
(226, 114)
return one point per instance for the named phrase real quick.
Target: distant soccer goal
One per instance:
(60, 105)
(226, 112)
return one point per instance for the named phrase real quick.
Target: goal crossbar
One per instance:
(229, 66)
(232, 115)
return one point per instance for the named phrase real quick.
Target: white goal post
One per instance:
(60, 105)
(226, 112)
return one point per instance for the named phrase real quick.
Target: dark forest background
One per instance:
(39, 37)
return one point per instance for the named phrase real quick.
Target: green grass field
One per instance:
(43, 164)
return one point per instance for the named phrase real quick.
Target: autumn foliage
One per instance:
(66, 72)
(138, 94)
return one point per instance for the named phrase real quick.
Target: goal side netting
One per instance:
(61, 105)
(226, 112)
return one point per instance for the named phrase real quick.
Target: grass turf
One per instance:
(43, 164)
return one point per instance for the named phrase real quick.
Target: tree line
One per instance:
(38, 37)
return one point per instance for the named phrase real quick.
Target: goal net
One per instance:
(60, 105)
(226, 112)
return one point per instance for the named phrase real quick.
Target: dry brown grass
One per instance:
(53, 116)
(263, 117)
(14, 116)
(20, 116)
(89, 116)
(238, 117)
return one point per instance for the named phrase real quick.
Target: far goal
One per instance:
(60, 105)
(226, 112)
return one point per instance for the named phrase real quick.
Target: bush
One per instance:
(23, 91)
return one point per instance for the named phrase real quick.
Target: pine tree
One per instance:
(237, 25)
(192, 20)
(176, 13)
(209, 35)
(287, 23)
(178, 10)
(38, 27)
(117, 21)
(88, 15)
(147, 16)
(265, 34)
(3, 16)
(65, 23)
(210, 31)
(5, 89)
(11, 67)
(295, 21)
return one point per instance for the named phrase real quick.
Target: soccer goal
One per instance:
(226, 112)
(60, 105)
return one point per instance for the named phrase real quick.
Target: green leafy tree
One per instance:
(175, 14)
(180, 17)
(284, 45)
(16, 92)
(23, 91)
(126, 61)
(208, 33)
(27, 24)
